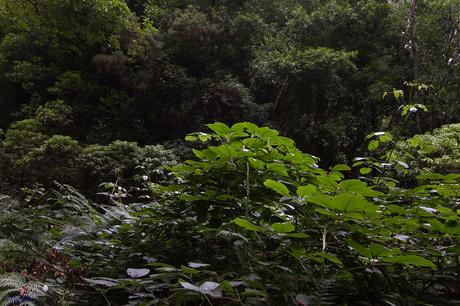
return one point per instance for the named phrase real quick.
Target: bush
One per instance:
(122, 161)
(28, 156)
(53, 160)
(438, 151)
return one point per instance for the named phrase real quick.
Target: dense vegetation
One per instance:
(109, 196)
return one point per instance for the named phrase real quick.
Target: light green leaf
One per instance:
(277, 187)
(308, 190)
(398, 93)
(350, 202)
(256, 163)
(365, 170)
(373, 145)
(220, 128)
(285, 227)
(241, 126)
(341, 167)
(190, 138)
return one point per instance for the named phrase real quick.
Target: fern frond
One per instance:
(5, 293)
(12, 280)
(16, 290)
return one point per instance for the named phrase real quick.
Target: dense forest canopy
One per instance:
(109, 196)
(152, 71)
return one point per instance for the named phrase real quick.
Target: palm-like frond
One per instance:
(15, 289)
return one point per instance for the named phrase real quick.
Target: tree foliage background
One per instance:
(152, 71)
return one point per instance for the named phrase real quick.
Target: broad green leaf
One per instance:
(430, 177)
(358, 186)
(451, 178)
(365, 170)
(285, 227)
(379, 250)
(322, 200)
(362, 250)
(341, 167)
(190, 138)
(411, 260)
(385, 137)
(277, 187)
(396, 209)
(353, 185)
(304, 191)
(373, 145)
(220, 129)
(453, 228)
(256, 163)
(204, 137)
(326, 181)
(247, 225)
(267, 133)
(240, 126)
(325, 212)
(415, 141)
(297, 251)
(329, 257)
(350, 202)
(353, 215)
(276, 167)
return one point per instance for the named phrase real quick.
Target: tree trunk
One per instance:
(414, 40)
(415, 51)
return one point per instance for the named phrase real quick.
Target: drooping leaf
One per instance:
(277, 187)
(247, 225)
(362, 250)
(411, 260)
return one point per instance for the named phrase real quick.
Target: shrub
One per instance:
(438, 151)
